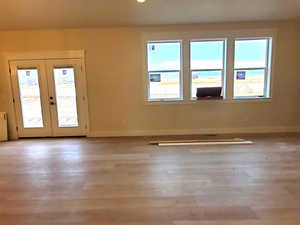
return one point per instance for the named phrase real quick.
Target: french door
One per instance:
(49, 97)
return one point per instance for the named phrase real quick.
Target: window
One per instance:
(30, 96)
(252, 68)
(180, 63)
(207, 64)
(164, 70)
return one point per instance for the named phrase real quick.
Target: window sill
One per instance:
(262, 99)
(208, 101)
(226, 101)
(164, 102)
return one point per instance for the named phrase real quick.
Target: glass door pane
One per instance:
(66, 101)
(30, 98)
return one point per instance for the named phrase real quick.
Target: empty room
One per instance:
(150, 112)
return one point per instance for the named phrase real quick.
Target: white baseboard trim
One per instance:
(247, 130)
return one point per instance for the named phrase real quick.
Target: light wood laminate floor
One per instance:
(125, 181)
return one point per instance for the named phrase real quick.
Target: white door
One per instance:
(49, 97)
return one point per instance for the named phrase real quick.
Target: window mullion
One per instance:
(164, 71)
(224, 70)
(267, 71)
(206, 70)
(250, 68)
(230, 69)
(186, 72)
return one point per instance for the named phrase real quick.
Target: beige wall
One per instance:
(114, 61)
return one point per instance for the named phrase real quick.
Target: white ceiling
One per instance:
(27, 14)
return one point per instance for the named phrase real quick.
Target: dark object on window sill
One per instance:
(210, 93)
(210, 98)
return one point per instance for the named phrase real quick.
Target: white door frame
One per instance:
(8, 57)
(45, 130)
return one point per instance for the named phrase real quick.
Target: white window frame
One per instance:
(230, 36)
(267, 68)
(223, 70)
(148, 72)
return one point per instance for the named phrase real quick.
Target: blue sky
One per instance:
(251, 51)
(206, 55)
